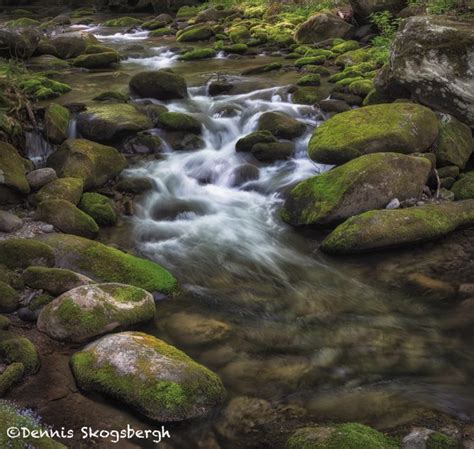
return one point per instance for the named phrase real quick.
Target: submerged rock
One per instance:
(321, 27)
(159, 381)
(382, 229)
(366, 183)
(269, 152)
(398, 127)
(92, 310)
(160, 84)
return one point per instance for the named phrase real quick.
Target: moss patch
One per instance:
(19, 349)
(99, 207)
(21, 253)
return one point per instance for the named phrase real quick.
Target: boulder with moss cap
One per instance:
(15, 349)
(22, 253)
(382, 229)
(281, 125)
(56, 123)
(398, 127)
(92, 310)
(177, 121)
(99, 207)
(53, 280)
(106, 264)
(160, 84)
(69, 189)
(12, 169)
(366, 183)
(156, 379)
(195, 33)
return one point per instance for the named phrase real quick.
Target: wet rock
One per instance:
(99, 207)
(262, 69)
(422, 438)
(398, 127)
(219, 88)
(464, 188)
(198, 53)
(350, 99)
(334, 106)
(466, 290)
(177, 121)
(92, 162)
(433, 289)
(92, 310)
(366, 183)
(309, 95)
(93, 61)
(71, 45)
(376, 230)
(107, 264)
(127, 22)
(17, 45)
(428, 63)
(245, 144)
(56, 123)
(183, 141)
(69, 189)
(53, 280)
(66, 217)
(243, 174)
(12, 169)
(113, 96)
(8, 298)
(134, 185)
(143, 143)
(9, 222)
(41, 177)
(450, 171)
(159, 381)
(195, 33)
(321, 27)
(281, 125)
(173, 209)
(160, 84)
(22, 253)
(269, 152)
(193, 329)
(111, 122)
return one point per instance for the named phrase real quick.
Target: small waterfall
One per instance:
(37, 148)
(72, 129)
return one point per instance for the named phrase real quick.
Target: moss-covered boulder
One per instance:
(92, 162)
(177, 121)
(263, 69)
(17, 44)
(309, 95)
(454, 145)
(56, 123)
(321, 27)
(127, 22)
(376, 230)
(463, 189)
(198, 53)
(160, 84)
(281, 125)
(108, 123)
(159, 381)
(93, 61)
(245, 144)
(13, 416)
(92, 310)
(22, 253)
(8, 298)
(398, 127)
(70, 45)
(312, 79)
(99, 207)
(12, 169)
(366, 183)
(12, 375)
(351, 435)
(69, 189)
(15, 349)
(195, 33)
(163, 32)
(273, 151)
(106, 264)
(310, 60)
(361, 87)
(53, 280)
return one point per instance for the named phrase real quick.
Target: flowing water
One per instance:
(305, 329)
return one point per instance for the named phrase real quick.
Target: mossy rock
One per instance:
(177, 121)
(69, 189)
(153, 24)
(66, 217)
(347, 436)
(23, 22)
(160, 84)
(317, 69)
(99, 207)
(195, 33)
(92, 310)
(38, 302)
(13, 416)
(106, 264)
(354, 57)
(113, 96)
(15, 349)
(123, 22)
(12, 375)
(312, 79)
(108, 123)
(53, 280)
(455, 144)
(40, 87)
(8, 298)
(22, 253)
(71, 45)
(263, 69)
(438, 440)
(4, 322)
(12, 169)
(281, 125)
(11, 277)
(163, 32)
(382, 229)
(463, 189)
(56, 123)
(92, 162)
(345, 46)
(273, 151)
(97, 60)
(310, 60)
(159, 381)
(366, 183)
(46, 63)
(198, 53)
(134, 185)
(237, 49)
(143, 143)
(361, 87)
(398, 127)
(245, 144)
(187, 11)
(309, 95)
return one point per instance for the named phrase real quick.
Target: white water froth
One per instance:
(163, 58)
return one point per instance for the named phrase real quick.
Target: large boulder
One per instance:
(69, 189)
(321, 27)
(108, 123)
(70, 45)
(364, 8)
(21, 253)
(94, 61)
(463, 188)
(398, 127)
(106, 264)
(92, 162)
(431, 60)
(160, 84)
(195, 33)
(56, 123)
(382, 229)
(17, 45)
(12, 169)
(92, 310)
(281, 125)
(366, 183)
(156, 379)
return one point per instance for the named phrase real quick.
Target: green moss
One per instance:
(153, 24)
(69, 189)
(310, 60)
(11, 278)
(196, 33)
(310, 80)
(323, 71)
(347, 81)
(361, 87)
(187, 11)
(245, 144)
(438, 440)
(345, 46)
(97, 60)
(308, 95)
(12, 169)
(8, 298)
(239, 34)
(177, 121)
(4, 322)
(24, 22)
(19, 349)
(53, 280)
(319, 52)
(198, 53)
(123, 22)
(21, 253)
(38, 302)
(281, 125)
(463, 189)
(42, 88)
(99, 207)
(56, 123)
(12, 375)
(108, 264)
(238, 49)
(163, 32)
(263, 69)
(112, 95)
(347, 436)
